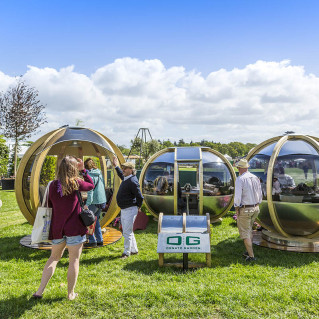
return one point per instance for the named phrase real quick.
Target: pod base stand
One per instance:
(110, 236)
(274, 240)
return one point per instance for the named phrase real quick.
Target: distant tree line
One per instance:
(233, 149)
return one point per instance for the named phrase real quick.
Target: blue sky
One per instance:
(200, 35)
(151, 56)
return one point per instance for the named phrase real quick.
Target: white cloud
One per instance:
(5, 81)
(251, 104)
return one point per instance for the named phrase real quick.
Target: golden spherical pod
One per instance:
(195, 180)
(32, 175)
(288, 169)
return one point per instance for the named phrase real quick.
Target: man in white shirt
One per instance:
(248, 196)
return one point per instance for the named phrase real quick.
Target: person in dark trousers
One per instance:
(129, 198)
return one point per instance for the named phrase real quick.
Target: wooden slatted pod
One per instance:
(80, 142)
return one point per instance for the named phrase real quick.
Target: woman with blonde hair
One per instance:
(66, 228)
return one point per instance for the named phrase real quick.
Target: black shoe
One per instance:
(90, 245)
(245, 254)
(249, 259)
(100, 244)
(134, 253)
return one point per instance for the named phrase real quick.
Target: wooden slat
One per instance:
(111, 236)
(161, 259)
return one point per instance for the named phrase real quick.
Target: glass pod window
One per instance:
(188, 187)
(218, 185)
(295, 178)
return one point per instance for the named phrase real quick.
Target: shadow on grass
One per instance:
(11, 249)
(230, 251)
(94, 260)
(151, 266)
(224, 254)
(15, 307)
(227, 253)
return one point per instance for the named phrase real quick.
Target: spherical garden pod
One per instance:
(39, 165)
(195, 180)
(288, 169)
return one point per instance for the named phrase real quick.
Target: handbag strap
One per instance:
(80, 198)
(46, 196)
(98, 180)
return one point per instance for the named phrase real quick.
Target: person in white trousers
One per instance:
(129, 198)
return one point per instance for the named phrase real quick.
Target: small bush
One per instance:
(48, 170)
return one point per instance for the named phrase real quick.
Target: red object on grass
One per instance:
(140, 222)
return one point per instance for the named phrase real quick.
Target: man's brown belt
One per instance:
(247, 206)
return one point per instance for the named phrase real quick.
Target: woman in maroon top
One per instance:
(66, 225)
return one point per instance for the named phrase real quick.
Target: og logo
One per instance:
(177, 240)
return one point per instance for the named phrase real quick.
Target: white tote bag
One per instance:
(41, 226)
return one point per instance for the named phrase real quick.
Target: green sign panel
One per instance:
(184, 243)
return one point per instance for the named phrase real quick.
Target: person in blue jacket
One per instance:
(96, 201)
(129, 198)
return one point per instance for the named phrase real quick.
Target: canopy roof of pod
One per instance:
(88, 140)
(173, 154)
(291, 147)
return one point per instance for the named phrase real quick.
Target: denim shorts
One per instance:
(70, 241)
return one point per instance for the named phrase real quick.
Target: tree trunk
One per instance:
(15, 157)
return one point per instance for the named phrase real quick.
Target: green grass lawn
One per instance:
(279, 285)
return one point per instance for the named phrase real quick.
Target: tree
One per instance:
(4, 156)
(167, 143)
(153, 146)
(12, 157)
(123, 149)
(145, 149)
(21, 114)
(11, 162)
(181, 143)
(48, 170)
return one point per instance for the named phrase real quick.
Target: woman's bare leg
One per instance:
(49, 268)
(73, 271)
